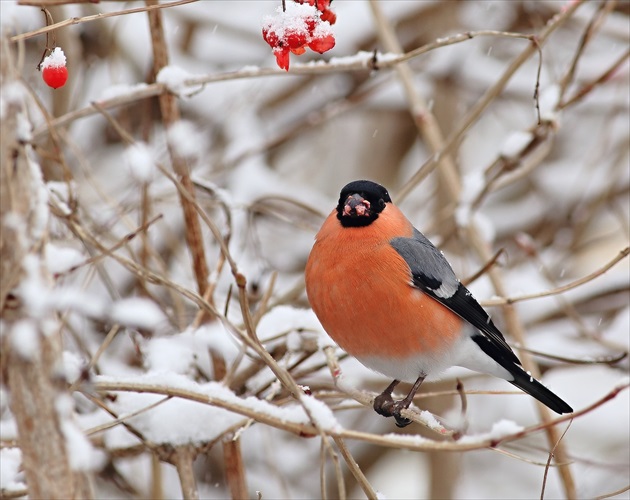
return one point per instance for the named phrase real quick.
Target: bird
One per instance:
(389, 298)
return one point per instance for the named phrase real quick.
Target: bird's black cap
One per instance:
(360, 203)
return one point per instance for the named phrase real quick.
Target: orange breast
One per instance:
(360, 289)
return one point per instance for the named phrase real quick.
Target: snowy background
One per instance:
(268, 152)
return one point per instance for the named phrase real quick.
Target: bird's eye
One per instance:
(381, 203)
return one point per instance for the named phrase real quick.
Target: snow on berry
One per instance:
(324, 7)
(322, 38)
(53, 68)
(298, 27)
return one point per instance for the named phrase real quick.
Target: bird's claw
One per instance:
(385, 405)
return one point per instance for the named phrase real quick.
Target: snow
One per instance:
(285, 319)
(60, 259)
(174, 78)
(175, 354)
(55, 59)
(515, 143)
(10, 474)
(164, 423)
(141, 162)
(499, 430)
(293, 20)
(321, 414)
(82, 455)
(60, 193)
(187, 140)
(24, 130)
(203, 422)
(120, 90)
(76, 299)
(549, 100)
(408, 440)
(11, 94)
(72, 366)
(25, 339)
(33, 290)
(138, 312)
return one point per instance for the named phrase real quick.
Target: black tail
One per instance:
(534, 388)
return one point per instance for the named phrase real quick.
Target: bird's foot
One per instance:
(385, 405)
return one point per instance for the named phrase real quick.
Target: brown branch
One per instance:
(183, 458)
(30, 372)
(235, 468)
(305, 429)
(170, 116)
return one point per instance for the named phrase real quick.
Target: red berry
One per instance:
(329, 15)
(322, 44)
(270, 37)
(55, 76)
(53, 67)
(311, 23)
(322, 5)
(295, 40)
(282, 58)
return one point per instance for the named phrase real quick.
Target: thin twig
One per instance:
(561, 289)
(613, 493)
(542, 491)
(355, 470)
(96, 17)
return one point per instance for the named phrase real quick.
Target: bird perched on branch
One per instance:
(389, 298)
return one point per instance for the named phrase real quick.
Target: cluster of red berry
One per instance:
(304, 23)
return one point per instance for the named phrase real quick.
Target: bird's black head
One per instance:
(360, 202)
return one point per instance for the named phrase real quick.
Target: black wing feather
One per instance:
(431, 273)
(491, 339)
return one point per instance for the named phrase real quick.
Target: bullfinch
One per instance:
(389, 298)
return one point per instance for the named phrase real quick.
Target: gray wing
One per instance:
(431, 273)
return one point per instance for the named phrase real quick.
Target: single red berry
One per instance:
(282, 58)
(270, 37)
(53, 68)
(55, 76)
(322, 44)
(295, 39)
(299, 51)
(329, 15)
(322, 5)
